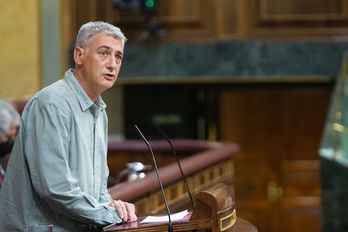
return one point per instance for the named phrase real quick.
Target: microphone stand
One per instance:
(170, 225)
(178, 161)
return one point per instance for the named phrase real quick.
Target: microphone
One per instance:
(178, 162)
(170, 225)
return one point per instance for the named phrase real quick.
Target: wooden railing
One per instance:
(203, 169)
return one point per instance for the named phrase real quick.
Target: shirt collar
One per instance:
(81, 95)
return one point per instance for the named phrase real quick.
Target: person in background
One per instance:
(57, 173)
(9, 123)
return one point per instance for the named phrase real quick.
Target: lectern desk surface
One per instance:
(185, 224)
(181, 225)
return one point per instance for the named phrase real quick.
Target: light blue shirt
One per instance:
(57, 173)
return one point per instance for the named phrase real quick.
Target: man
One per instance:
(9, 123)
(57, 173)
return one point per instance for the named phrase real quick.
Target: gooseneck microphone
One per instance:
(170, 225)
(178, 162)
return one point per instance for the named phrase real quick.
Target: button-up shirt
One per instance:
(57, 173)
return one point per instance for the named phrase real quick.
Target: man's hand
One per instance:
(125, 210)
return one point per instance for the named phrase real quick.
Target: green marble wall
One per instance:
(166, 60)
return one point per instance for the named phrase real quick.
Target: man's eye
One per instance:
(103, 53)
(118, 57)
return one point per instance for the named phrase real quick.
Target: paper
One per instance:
(173, 217)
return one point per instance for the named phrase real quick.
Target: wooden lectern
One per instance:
(214, 210)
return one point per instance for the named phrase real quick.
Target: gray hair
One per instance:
(89, 30)
(8, 115)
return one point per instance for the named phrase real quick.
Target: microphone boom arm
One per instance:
(178, 162)
(170, 225)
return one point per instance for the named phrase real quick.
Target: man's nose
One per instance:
(112, 62)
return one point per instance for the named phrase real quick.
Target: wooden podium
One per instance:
(214, 210)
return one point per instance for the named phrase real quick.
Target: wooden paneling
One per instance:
(297, 10)
(297, 19)
(279, 129)
(209, 20)
(190, 19)
(229, 19)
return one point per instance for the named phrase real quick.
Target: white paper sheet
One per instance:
(173, 217)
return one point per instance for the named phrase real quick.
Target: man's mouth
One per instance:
(109, 76)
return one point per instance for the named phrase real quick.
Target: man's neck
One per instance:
(93, 97)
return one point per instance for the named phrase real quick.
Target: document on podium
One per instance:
(173, 217)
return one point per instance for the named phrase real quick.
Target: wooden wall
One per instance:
(207, 20)
(279, 129)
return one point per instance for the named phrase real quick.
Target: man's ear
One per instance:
(78, 55)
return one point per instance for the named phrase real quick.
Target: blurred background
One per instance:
(260, 73)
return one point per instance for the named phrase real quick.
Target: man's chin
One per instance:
(108, 85)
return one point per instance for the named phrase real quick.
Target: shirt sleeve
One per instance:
(105, 195)
(47, 150)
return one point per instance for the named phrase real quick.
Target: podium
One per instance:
(214, 210)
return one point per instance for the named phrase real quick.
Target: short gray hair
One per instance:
(8, 115)
(89, 30)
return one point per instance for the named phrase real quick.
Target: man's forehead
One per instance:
(107, 41)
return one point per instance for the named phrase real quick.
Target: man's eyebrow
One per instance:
(104, 46)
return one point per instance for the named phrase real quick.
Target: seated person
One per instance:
(9, 123)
